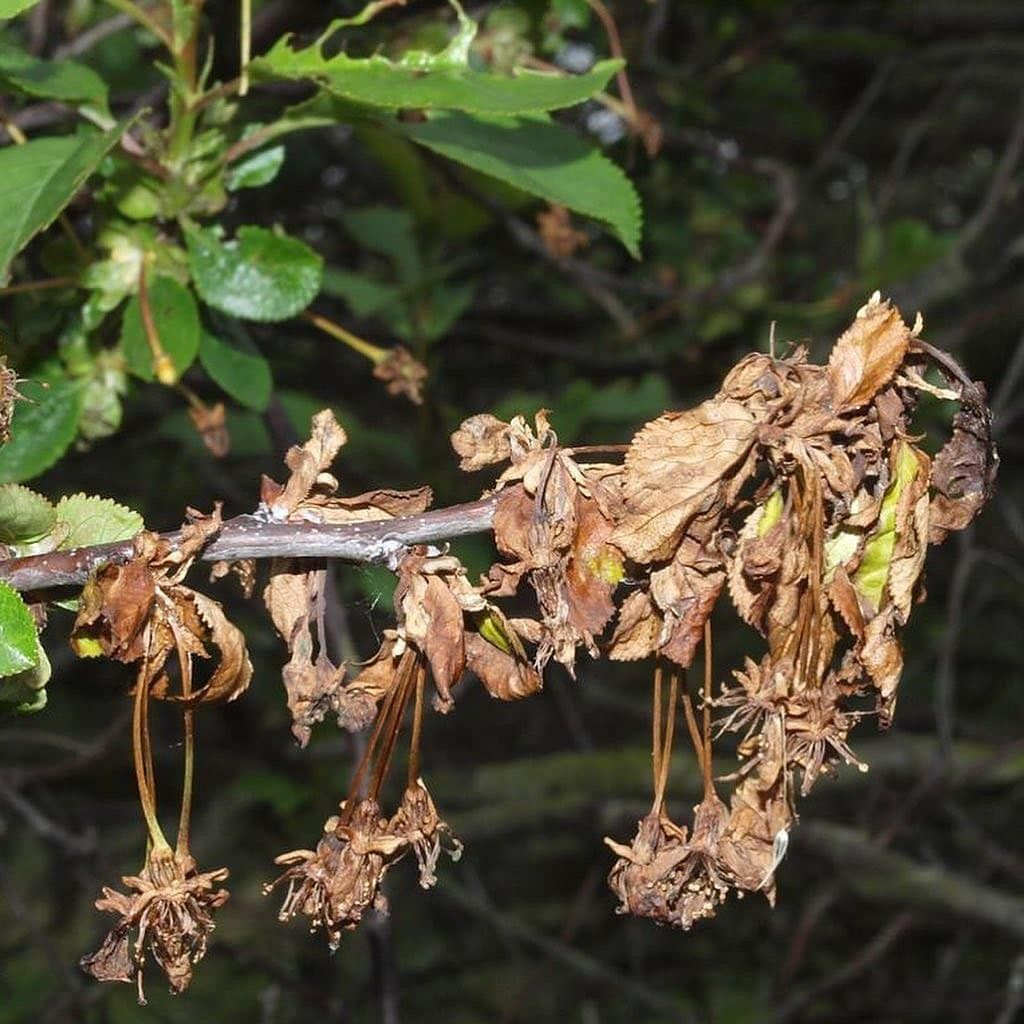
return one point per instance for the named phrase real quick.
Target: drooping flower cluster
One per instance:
(799, 491)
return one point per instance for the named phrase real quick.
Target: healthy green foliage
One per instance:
(66, 80)
(540, 157)
(86, 520)
(25, 692)
(19, 649)
(25, 516)
(43, 427)
(255, 170)
(236, 365)
(379, 82)
(176, 321)
(38, 179)
(258, 275)
(9, 8)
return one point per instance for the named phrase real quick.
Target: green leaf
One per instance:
(9, 8)
(25, 516)
(365, 296)
(19, 647)
(38, 179)
(176, 320)
(432, 81)
(256, 170)
(873, 572)
(43, 427)
(541, 158)
(26, 690)
(92, 520)
(237, 366)
(65, 80)
(388, 232)
(259, 275)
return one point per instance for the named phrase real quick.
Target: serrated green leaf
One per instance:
(65, 80)
(432, 81)
(9, 8)
(541, 158)
(19, 647)
(43, 427)
(873, 572)
(24, 515)
(38, 179)
(258, 275)
(176, 319)
(256, 170)
(238, 368)
(25, 692)
(91, 520)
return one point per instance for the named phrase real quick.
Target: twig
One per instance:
(888, 877)
(247, 536)
(1014, 998)
(868, 956)
(87, 39)
(577, 962)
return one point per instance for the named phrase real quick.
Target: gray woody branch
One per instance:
(251, 537)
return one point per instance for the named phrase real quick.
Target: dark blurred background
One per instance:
(811, 153)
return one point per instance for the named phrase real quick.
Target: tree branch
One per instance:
(248, 536)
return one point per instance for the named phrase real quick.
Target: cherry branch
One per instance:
(249, 536)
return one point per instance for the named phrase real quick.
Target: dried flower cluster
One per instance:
(799, 491)
(335, 884)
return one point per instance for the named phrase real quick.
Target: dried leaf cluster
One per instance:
(799, 492)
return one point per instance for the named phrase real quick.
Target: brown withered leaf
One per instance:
(867, 354)
(504, 675)
(306, 463)
(115, 605)
(675, 468)
(685, 592)
(169, 910)
(482, 440)
(882, 658)
(637, 630)
(964, 470)
(295, 600)
(231, 677)
(430, 615)
(911, 544)
(382, 503)
(593, 571)
(356, 703)
(211, 423)
(403, 374)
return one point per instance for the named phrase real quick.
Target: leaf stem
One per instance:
(417, 726)
(374, 353)
(38, 286)
(142, 753)
(245, 33)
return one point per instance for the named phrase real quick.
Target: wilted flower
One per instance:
(419, 824)
(169, 908)
(641, 877)
(335, 884)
